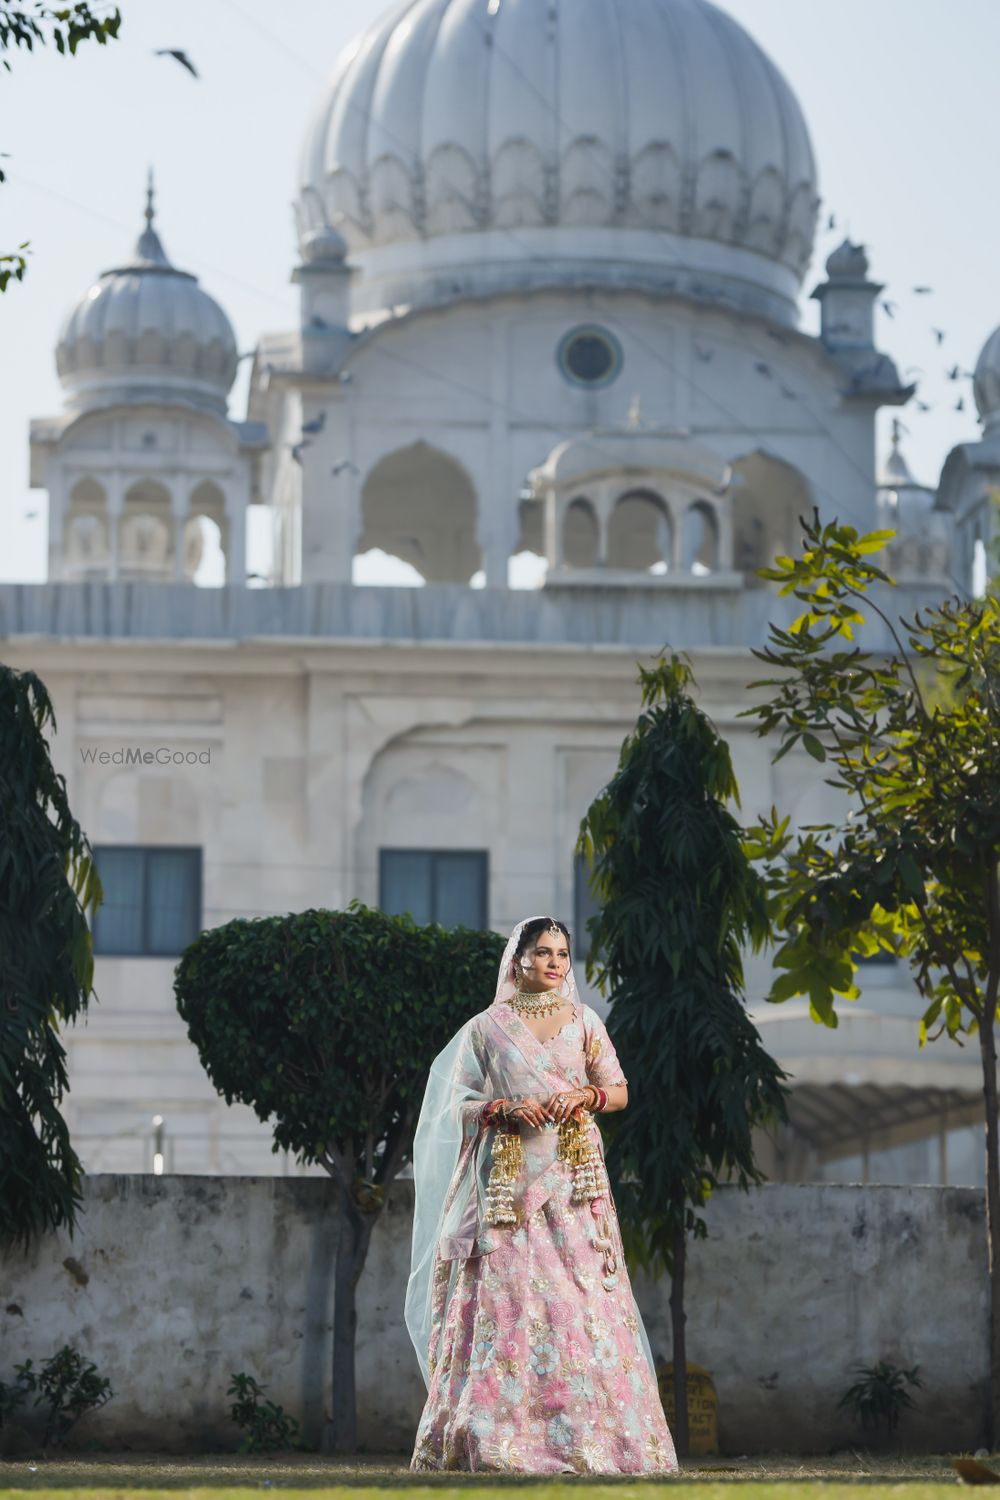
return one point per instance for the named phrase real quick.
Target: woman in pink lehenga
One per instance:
(519, 1303)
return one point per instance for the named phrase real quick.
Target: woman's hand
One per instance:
(531, 1111)
(569, 1102)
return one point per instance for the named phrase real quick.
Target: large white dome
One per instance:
(471, 145)
(146, 330)
(986, 383)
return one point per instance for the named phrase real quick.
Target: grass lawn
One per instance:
(857, 1474)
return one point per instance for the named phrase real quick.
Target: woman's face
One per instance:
(545, 961)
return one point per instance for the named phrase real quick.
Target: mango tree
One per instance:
(48, 886)
(911, 736)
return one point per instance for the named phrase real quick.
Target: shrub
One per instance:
(268, 1427)
(880, 1395)
(67, 1384)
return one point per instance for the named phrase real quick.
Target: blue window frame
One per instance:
(449, 886)
(152, 900)
(585, 905)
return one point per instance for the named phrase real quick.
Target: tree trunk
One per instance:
(340, 1434)
(677, 1321)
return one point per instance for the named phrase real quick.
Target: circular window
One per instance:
(590, 356)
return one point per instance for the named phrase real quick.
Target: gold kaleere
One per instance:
(576, 1148)
(589, 1182)
(507, 1166)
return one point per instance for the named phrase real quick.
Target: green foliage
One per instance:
(880, 1397)
(267, 1426)
(326, 1022)
(67, 1385)
(48, 885)
(35, 24)
(61, 26)
(912, 737)
(14, 1394)
(13, 267)
(679, 901)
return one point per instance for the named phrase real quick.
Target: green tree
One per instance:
(326, 1023)
(911, 736)
(27, 26)
(48, 884)
(679, 902)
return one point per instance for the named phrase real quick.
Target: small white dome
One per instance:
(146, 330)
(986, 382)
(466, 147)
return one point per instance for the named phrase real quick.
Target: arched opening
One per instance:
(210, 570)
(700, 538)
(580, 534)
(382, 570)
(527, 564)
(146, 532)
(429, 819)
(979, 571)
(768, 496)
(640, 534)
(419, 506)
(205, 532)
(85, 536)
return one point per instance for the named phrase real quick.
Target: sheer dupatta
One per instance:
(493, 1056)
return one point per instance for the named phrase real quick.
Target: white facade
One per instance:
(548, 324)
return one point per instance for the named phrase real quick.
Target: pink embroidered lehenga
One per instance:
(528, 1333)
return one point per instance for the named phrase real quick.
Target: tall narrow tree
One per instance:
(679, 902)
(48, 884)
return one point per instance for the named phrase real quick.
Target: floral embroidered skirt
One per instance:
(538, 1366)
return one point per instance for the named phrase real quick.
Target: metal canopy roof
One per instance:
(839, 1119)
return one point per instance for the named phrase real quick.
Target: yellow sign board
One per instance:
(702, 1405)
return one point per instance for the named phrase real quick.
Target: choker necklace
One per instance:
(535, 1002)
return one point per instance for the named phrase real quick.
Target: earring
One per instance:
(565, 990)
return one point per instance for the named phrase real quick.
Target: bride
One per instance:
(519, 1304)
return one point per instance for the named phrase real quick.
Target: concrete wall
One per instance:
(172, 1283)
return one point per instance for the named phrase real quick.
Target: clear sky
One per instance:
(900, 97)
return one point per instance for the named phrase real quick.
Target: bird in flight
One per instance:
(179, 56)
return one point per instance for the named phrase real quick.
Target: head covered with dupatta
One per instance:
(450, 1164)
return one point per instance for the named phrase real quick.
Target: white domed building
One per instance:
(144, 450)
(970, 480)
(520, 226)
(549, 376)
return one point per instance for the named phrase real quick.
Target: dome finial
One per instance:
(848, 262)
(148, 248)
(896, 471)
